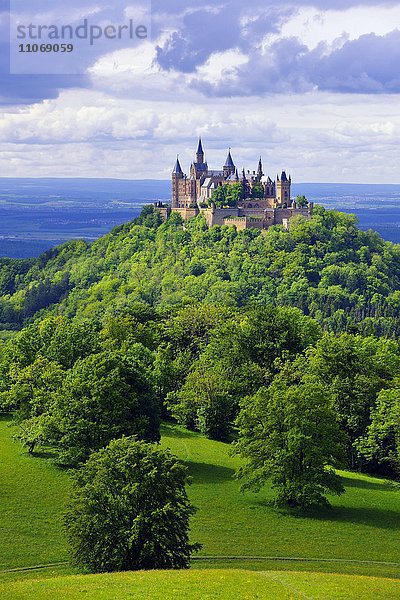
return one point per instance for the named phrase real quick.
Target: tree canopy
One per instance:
(130, 510)
(185, 322)
(288, 433)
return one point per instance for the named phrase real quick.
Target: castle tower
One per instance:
(260, 169)
(177, 176)
(200, 153)
(283, 189)
(229, 166)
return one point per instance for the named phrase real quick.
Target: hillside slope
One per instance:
(327, 267)
(358, 535)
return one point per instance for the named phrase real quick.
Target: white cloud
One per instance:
(313, 26)
(317, 137)
(220, 66)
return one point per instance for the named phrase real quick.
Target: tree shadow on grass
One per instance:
(377, 486)
(370, 516)
(206, 473)
(6, 417)
(49, 454)
(175, 431)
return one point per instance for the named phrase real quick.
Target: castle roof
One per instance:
(177, 169)
(215, 173)
(200, 166)
(284, 176)
(265, 179)
(208, 183)
(229, 162)
(234, 176)
(200, 147)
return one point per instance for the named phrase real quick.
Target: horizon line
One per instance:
(72, 178)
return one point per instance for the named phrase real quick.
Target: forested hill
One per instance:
(170, 320)
(345, 278)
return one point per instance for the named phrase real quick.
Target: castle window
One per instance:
(249, 206)
(256, 206)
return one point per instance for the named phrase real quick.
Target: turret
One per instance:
(177, 175)
(229, 166)
(178, 169)
(260, 169)
(283, 189)
(200, 153)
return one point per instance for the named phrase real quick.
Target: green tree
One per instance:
(32, 388)
(243, 353)
(149, 217)
(205, 402)
(218, 196)
(130, 510)
(234, 194)
(301, 201)
(353, 370)
(288, 434)
(257, 191)
(381, 443)
(103, 397)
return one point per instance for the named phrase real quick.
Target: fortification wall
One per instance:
(282, 214)
(216, 216)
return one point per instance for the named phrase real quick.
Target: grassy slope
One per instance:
(363, 524)
(196, 585)
(32, 497)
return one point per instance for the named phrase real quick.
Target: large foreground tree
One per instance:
(130, 510)
(288, 434)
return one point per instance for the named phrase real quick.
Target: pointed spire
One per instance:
(229, 162)
(177, 169)
(260, 168)
(200, 153)
(236, 175)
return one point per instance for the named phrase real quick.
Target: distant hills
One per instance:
(37, 214)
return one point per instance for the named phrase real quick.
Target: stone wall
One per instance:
(216, 216)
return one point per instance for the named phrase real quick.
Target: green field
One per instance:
(243, 533)
(32, 500)
(362, 525)
(195, 584)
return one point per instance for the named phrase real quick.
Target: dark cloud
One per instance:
(207, 30)
(27, 89)
(366, 65)
(30, 88)
(370, 64)
(202, 34)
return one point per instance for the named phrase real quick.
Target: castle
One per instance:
(259, 202)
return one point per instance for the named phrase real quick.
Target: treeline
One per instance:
(75, 385)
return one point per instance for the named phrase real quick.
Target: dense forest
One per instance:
(218, 329)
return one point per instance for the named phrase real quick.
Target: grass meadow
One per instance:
(250, 548)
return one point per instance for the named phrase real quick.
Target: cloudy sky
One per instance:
(311, 85)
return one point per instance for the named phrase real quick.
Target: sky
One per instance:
(312, 86)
